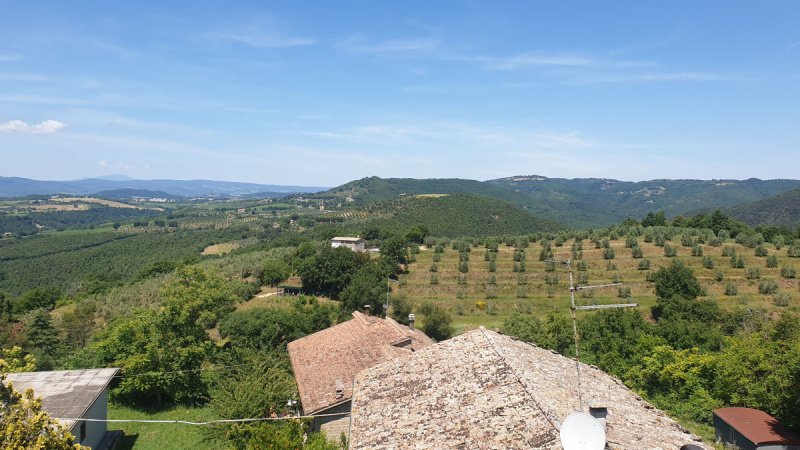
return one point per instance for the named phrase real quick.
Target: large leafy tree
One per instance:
(330, 270)
(161, 352)
(677, 280)
(368, 287)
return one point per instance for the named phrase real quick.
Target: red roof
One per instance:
(758, 426)
(325, 363)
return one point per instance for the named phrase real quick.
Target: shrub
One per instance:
(463, 267)
(670, 251)
(491, 280)
(624, 292)
(630, 242)
(522, 292)
(581, 266)
(434, 268)
(434, 279)
(650, 276)
(794, 251)
(437, 257)
(719, 275)
(752, 273)
(767, 287)
(697, 250)
(492, 266)
(715, 242)
(779, 242)
(462, 279)
(686, 240)
(728, 250)
(788, 272)
(644, 264)
(772, 261)
(637, 253)
(583, 279)
(708, 263)
(737, 262)
(730, 289)
(551, 279)
(761, 251)
(660, 241)
(781, 299)
(608, 253)
(611, 267)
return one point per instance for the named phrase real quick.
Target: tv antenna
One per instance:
(573, 307)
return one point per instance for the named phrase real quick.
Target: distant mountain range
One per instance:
(18, 187)
(580, 202)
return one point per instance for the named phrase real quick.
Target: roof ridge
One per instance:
(519, 379)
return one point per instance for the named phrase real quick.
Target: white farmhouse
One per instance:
(355, 244)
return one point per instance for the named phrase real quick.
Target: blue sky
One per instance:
(320, 93)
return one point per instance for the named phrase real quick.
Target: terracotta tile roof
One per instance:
(330, 359)
(757, 426)
(482, 390)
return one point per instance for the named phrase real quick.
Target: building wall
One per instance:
(95, 431)
(333, 427)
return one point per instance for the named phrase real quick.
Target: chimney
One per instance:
(339, 388)
(599, 413)
(411, 322)
(366, 309)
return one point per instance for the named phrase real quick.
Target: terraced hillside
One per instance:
(482, 297)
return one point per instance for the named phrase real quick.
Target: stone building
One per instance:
(483, 390)
(325, 363)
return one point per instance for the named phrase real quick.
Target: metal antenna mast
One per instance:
(573, 307)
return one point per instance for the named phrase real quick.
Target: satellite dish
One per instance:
(580, 431)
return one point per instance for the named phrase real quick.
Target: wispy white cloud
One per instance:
(357, 43)
(44, 127)
(261, 32)
(122, 165)
(665, 76)
(7, 57)
(24, 77)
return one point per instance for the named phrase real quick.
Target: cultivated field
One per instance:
(479, 300)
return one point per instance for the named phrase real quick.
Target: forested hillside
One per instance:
(780, 210)
(592, 202)
(577, 203)
(459, 215)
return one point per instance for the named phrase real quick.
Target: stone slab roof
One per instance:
(65, 393)
(483, 390)
(329, 359)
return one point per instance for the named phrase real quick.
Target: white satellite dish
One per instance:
(580, 431)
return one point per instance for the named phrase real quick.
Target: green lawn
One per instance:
(144, 436)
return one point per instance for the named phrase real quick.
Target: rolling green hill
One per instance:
(780, 210)
(460, 215)
(577, 203)
(592, 202)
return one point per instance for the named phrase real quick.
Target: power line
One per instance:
(207, 422)
(204, 369)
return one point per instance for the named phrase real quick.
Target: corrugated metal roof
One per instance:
(64, 393)
(757, 426)
(347, 239)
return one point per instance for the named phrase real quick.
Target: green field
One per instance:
(156, 436)
(506, 296)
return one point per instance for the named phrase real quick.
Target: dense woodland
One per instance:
(172, 299)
